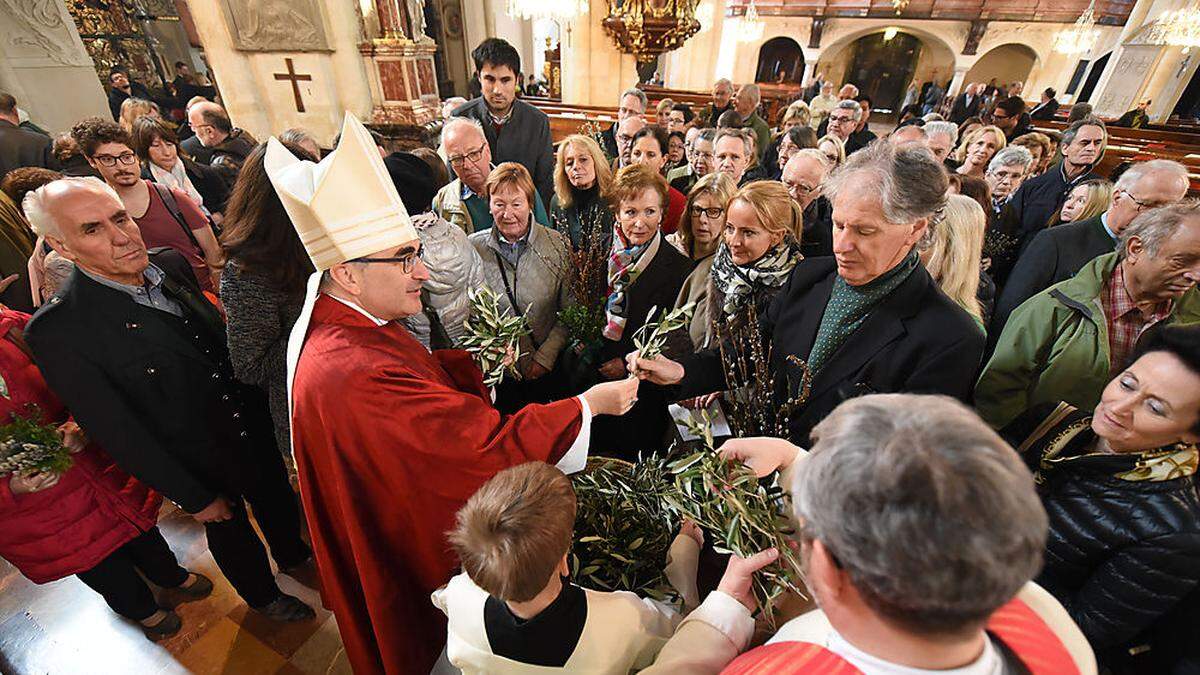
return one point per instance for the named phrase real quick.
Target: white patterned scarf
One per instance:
(177, 178)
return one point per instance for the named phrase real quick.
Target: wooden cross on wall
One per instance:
(295, 80)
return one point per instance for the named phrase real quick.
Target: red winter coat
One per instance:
(93, 510)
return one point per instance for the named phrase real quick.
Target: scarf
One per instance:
(849, 306)
(740, 282)
(1074, 445)
(625, 265)
(177, 178)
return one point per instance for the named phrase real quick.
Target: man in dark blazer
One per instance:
(138, 355)
(1057, 253)
(868, 320)
(515, 131)
(19, 146)
(965, 104)
(1048, 106)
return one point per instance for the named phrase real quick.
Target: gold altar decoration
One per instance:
(647, 28)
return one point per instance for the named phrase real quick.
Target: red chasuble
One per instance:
(390, 441)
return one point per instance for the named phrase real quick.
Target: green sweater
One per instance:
(1054, 347)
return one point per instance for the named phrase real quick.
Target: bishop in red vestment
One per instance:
(389, 439)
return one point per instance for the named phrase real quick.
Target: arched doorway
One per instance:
(780, 61)
(882, 65)
(1005, 64)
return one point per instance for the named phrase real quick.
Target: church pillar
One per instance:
(593, 71)
(693, 65)
(960, 74)
(809, 67)
(1112, 89)
(42, 56)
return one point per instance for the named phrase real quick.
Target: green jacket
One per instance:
(762, 132)
(1054, 347)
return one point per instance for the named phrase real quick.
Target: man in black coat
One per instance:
(18, 146)
(1048, 106)
(226, 147)
(868, 320)
(138, 355)
(1057, 253)
(515, 131)
(1037, 200)
(965, 104)
(122, 87)
(633, 103)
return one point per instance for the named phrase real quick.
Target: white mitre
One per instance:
(344, 207)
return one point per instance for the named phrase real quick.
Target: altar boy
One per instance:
(514, 609)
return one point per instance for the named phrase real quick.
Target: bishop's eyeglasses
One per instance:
(406, 261)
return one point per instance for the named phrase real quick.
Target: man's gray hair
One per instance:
(1013, 155)
(1154, 227)
(724, 81)
(1090, 121)
(753, 91)
(815, 155)
(933, 516)
(37, 210)
(943, 128)
(298, 135)
(933, 117)
(746, 135)
(849, 104)
(455, 122)
(637, 93)
(1166, 168)
(709, 135)
(911, 183)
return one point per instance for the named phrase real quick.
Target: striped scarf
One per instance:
(625, 264)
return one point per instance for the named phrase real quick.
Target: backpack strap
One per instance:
(168, 201)
(790, 658)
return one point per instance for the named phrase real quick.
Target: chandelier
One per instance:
(899, 6)
(750, 28)
(1180, 28)
(1080, 37)
(648, 28)
(556, 10)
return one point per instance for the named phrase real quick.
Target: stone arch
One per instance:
(936, 57)
(780, 57)
(1009, 62)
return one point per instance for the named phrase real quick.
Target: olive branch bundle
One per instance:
(746, 515)
(623, 527)
(651, 338)
(493, 335)
(28, 445)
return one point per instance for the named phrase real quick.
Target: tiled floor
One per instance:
(63, 628)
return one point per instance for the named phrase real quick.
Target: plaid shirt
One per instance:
(1126, 322)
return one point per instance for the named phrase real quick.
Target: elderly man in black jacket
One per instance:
(868, 320)
(1037, 200)
(515, 131)
(139, 357)
(1057, 253)
(21, 147)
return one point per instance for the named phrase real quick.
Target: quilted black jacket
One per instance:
(1120, 554)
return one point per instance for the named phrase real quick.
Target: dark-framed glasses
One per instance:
(712, 212)
(406, 261)
(472, 156)
(110, 161)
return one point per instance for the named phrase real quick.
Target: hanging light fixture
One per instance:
(1180, 28)
(556, 10)
(751, 27)
(890, 33)
(899, 6)
(1081, 36)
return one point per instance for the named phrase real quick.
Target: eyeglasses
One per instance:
(110, 161)
(799, 188)
(471, 156)
(702, 155)
(997, 116)
(713, 212)
(1141, 204)
(838, 119)
(1007, 175)
(407, 261)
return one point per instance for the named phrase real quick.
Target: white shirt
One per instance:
(988, 663)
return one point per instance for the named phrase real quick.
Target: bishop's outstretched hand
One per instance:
(612, 398)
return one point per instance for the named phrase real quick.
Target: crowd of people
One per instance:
(984, 359)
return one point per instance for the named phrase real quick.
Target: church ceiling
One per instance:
(1109, 12)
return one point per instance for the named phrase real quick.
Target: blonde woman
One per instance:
(763, 225)
(833, 148)
(797, 113)
(1086, 200)
(977, 149)
(579, 208)
(952, 250)
(1038, 145)
(133, 108)
(698, 236)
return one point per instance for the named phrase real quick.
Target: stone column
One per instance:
(44, 65)
(400, 70)
(960, 74)
(593, 71)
